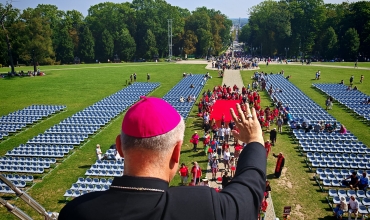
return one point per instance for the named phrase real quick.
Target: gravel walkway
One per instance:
(232, 77)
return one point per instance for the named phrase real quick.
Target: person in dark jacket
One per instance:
(150, 141)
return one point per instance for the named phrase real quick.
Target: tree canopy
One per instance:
(130, 30)
(309, 27)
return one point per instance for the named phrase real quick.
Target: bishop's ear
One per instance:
(119, 145)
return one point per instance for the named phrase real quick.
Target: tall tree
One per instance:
(64, 51)
(350, 44)
(150, 45)
(86, 45)
(4, 13)
(126, 45)
(107, 44)
(329, 43)
(36, 37)
(190, 41)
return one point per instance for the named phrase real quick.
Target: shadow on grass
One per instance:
(327, 218)
(270, 176)
(84, 166)
(64, 201)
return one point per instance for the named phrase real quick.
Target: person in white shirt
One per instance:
(206, 117)
(98, 152)
(352, 207)
(227, 134)
(221, 133)
(226, 159)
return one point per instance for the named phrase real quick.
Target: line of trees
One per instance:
(130, 30)
(309, 27)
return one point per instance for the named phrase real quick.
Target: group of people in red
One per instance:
(216, 143)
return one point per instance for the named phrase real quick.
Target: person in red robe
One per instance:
(195, 140)
(279, 164)
(267, 147)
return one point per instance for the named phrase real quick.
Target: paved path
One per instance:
(232, 77)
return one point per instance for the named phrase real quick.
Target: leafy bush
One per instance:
(48, 61)
(82, 62)
(1, 65)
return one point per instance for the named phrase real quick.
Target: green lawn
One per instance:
(352, 64)
(297, 188)
(79, 86)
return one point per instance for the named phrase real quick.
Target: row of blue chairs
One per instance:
(17, 177)
(336, 142)
(335, 149)
(31, 153)
(72, 129)
(6, 189)
(89, 188)
(28, 159)
(46, 107)
(21, 169)
(19, 184)
(27, 164)
(37, 113)
(352, 99)
(19, 119)
(45, 146)
(111, 173)
(11, 127)
(182, 89)
(94, 181)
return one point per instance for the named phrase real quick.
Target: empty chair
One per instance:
(361, 194)
(319, 171)
(75, 186)
(362, 209)
(326, 182)
(342, 193)
(336, 200)
(366, 201)
(331, 177)
(328, 171)
(82, 187)
(90, 187)
(103, 181)
(80, 180)
(76, 193)
(98, 187)
(68, 193)
(351, 193)
(332, 192)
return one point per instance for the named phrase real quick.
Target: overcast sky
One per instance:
(232, 8)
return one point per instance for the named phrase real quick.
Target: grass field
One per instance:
(78, 86)
(351, 64)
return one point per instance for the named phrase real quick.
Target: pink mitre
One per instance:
(150, 117)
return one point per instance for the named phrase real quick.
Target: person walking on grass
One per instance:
(279, 164)
(184, 174)
(147, 77)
